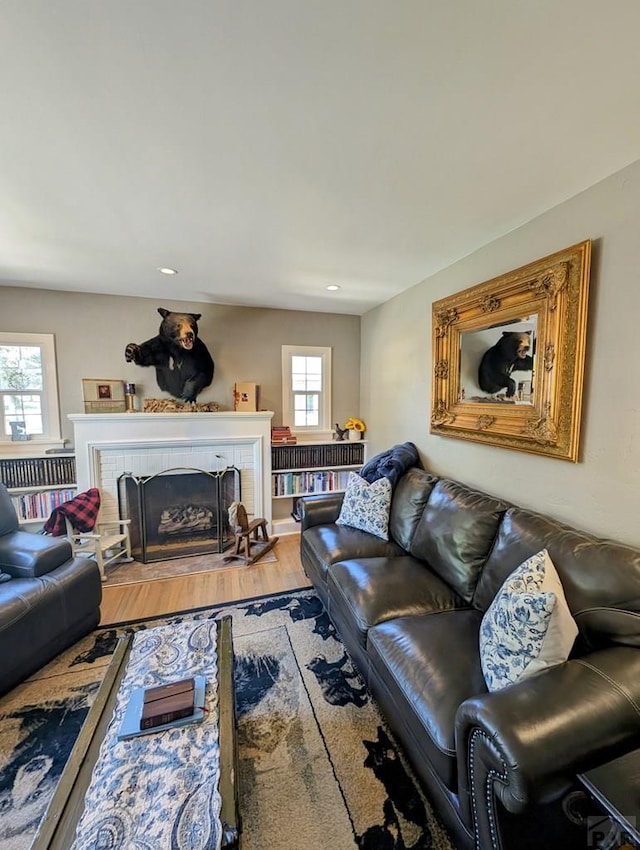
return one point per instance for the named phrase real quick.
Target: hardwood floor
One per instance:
(164, 596)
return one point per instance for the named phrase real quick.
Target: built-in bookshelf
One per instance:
(37, 485)
(306, 469)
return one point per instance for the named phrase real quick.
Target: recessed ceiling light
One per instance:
(167, 270)
(333, 287)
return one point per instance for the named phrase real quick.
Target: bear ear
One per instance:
(196, 316)
(164, 313)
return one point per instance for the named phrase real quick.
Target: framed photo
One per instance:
(508, 357)
(103, 395)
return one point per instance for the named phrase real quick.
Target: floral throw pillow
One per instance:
(528, 626)
(366, 506)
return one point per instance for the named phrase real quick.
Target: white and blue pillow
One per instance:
(366, 506)
(528, 626)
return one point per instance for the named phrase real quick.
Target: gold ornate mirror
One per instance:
(508, 357)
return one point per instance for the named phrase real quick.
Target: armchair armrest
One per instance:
(523, 745)
(320, 509)
(113, 523)
(27, 555)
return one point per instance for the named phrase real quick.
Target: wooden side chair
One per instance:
(248, 534)
(77, 519)
(108, 542)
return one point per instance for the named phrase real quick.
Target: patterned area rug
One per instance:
(318, 766)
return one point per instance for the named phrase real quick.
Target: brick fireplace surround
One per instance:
(108, 444)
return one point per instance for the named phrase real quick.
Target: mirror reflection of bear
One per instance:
(183, 364)
(510, 353)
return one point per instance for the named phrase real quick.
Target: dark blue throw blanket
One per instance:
(391, 464)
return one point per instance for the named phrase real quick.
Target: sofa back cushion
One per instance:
(456, 532)
(601, 579)
(410, 495)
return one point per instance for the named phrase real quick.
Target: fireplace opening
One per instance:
(178, 512)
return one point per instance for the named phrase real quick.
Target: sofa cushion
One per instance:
(456, 532)
(407, 504)
(369, 591)
(422, 669)
(366, 506)
(528, 626)
(601, 579)
(322, 545)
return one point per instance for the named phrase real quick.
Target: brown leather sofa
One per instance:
(50, 601)
(499, 767)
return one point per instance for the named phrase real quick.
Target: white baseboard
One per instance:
(285, 526)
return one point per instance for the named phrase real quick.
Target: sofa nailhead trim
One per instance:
(490, 799)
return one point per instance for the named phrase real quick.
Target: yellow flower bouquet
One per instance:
(354, 424)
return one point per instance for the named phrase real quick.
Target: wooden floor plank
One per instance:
(229, 584)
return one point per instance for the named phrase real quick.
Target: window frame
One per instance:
(49, 394)
(323, 430)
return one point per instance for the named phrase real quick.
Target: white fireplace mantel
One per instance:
(107, 444)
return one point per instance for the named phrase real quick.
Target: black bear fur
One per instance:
(510, 353)
(182, 361)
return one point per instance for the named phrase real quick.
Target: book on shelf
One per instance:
(132, 722)
(281, 436)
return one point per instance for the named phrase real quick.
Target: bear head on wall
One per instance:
(182, 361)
(510, 353)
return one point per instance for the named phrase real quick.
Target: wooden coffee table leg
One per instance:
(229, 812)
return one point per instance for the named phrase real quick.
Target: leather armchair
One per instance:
(51, 600)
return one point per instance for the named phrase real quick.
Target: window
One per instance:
(28, 387)
(306, 388)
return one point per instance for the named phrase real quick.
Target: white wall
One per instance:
(601, 493)
(91, 332)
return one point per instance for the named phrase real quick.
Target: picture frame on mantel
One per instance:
(508, 357)
(103, 395)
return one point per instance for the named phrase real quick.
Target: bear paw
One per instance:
(132, 353)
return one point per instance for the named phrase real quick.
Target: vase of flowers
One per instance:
(355, 428)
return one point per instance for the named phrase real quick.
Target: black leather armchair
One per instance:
(50, 601)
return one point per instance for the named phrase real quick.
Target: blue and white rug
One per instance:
(318, 767)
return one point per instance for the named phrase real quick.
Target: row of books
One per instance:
(38, 471)
(281, 436)
(297, 483)
(39, 505)
(324, 454)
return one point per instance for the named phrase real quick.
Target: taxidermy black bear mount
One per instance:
(182, 361)
(510, 353)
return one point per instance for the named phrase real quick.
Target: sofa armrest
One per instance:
(523, 745)
(319, 510)
(27, 555)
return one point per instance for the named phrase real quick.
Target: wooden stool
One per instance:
(248, 534)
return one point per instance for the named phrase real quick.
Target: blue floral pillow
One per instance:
(366, 506)
(528, 626)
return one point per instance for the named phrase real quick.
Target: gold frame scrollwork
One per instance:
(555, 291)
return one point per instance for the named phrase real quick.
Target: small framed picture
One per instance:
(103, 395)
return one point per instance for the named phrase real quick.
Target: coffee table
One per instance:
(58, 827)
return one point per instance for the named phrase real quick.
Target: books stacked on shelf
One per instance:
(40, 505)
(37, 471)
(324, 454)
(299, 483)
(163, 707)
(281, 436)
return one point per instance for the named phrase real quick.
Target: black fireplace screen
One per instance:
(178, 512)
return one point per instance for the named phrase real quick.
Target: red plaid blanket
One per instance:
(81, 510)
